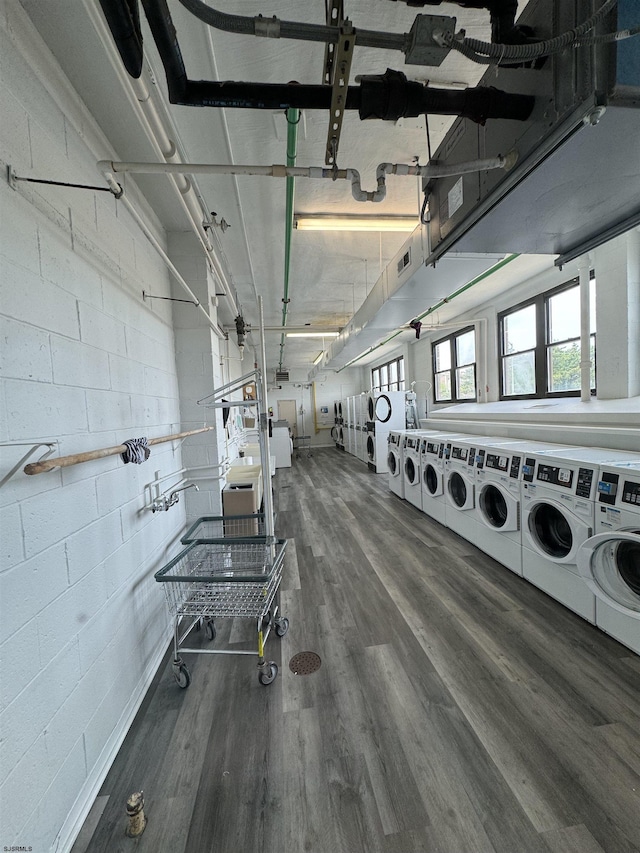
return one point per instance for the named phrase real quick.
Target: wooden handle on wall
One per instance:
(76, 458)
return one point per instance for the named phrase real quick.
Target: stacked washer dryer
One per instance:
(395, 461)
(385, 411)
(432, 473)
(609, 561)
(558, 516)
(348, 425)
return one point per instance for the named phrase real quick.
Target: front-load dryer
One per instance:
(558, 516)
(411, 466)
(395, 457)
(459, 486)
(388, 410)
(610, 561)
(432, 476)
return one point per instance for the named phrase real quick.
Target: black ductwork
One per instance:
(123, 18)
(387, 96)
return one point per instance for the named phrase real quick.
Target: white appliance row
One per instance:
(567, 519)
(366, 422)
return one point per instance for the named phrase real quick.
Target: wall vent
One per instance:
(404, 261)
(282, 375)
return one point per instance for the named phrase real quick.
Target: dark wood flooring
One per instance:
(458, 709)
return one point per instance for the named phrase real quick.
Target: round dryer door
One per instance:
(371, 408)
(411, 471)
(498, 508)
(460, 491)
(371, 449)
(610, 563)
(554, 531)
(392, 463)
(383, 408)
(430, 479)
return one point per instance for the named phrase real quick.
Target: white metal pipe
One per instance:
(140, 96)
(263, 430)
(584, 268)
(140, 221)
(315, 172)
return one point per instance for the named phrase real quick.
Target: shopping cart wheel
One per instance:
(267, 677)
(182, 676)
(210, 629)
(282, 626)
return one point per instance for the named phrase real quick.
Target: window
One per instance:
(389, 376)
(540, 344)
(454, 367)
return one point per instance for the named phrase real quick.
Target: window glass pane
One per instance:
(519, 330)
(401, 369)
(393, 373)
(564, 367)
(466, 383)
(466, 348)
(592, 356)
(375, 378)
(592, 305)
(384, 377)
(443, 386)
(518, 374)
(564, 315)
(442, 353)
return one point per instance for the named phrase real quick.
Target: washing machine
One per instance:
(349, 440)
(558, 516)
(395, 461)
(460, 485)
(411, 466)
(432, 476)
(609, 561)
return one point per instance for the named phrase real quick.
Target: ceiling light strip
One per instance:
(319, 222)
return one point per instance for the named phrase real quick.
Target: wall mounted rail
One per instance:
(89, 455)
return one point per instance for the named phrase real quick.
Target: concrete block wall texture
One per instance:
(86, 363)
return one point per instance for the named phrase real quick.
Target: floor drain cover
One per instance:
(304, 663)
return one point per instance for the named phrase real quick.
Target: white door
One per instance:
(287, 411)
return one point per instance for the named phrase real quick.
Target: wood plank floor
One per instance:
(458, 709)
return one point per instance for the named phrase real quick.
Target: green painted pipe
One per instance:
(440, 304)
(293, 117)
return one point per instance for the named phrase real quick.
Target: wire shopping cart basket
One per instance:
(225, 578)
(220, 527)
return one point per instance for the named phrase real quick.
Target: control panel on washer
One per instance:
(555, 475)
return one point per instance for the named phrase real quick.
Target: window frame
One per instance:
(376, 375)
(543, 344)
(452, 371)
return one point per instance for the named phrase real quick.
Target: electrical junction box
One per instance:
(576, 176)
(423, 48)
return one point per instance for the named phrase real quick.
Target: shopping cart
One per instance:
(223, 578)
(220, 527)
(302, 443)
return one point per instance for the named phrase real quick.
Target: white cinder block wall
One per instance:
(85, 364)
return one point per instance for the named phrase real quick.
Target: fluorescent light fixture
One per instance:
(312, 334)
(322, 222)
(318, 359)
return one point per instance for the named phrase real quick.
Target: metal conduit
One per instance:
(293, 117)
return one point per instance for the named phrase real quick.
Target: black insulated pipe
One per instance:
(387, 96)
(123, 18)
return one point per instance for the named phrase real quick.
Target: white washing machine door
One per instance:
(432, 480)
(393, 463)
(411, 470)
(499, 509)
(383, 408)
(610, 564)
(460, 491)
(553, 531)
(371, 447)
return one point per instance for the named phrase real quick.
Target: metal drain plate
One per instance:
(304, 663)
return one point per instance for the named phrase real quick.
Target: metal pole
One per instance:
(265, 450)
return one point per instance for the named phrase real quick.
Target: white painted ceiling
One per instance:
(331, 273)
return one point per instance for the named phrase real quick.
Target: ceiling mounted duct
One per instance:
(577, 179)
